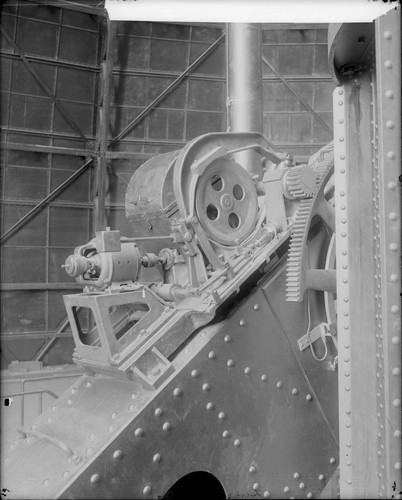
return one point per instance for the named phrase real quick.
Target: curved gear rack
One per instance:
(299, 275)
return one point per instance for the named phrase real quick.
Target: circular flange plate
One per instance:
(226, 202)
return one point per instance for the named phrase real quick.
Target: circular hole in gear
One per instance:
(217, 183)
(238, 192)
(212, 212)
(234, 221)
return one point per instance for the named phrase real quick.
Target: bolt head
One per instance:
(147, 490)
(95, 479)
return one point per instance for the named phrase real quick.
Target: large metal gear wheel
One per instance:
(300, 276)
(226, 202)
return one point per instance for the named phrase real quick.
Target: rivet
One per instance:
(177, 392)
(230, 363)
(210, 406)
(302, 486)
(92, 436)
(166, 426)
(388, 64)
(111, 428)
(397, 466)
(391, 185)
(242, 322)
(118, 455)
(347, 374)
(286, 489)
(309, 397)
(212, 355)
(279, 385)
(89, 383)
(349, 481)
(205, 387)
(309, 495)
(387, 35)
(266, 494)
(256, 307)
(349, 464)
(389, 94)
(53, 408)
(342, 193)
(342, 156)
(348, 412)
(397, 434)
(73, 390)
(346, 360)
(251, 469)
(66, 473)
(225, 434)
(393, 278)
(295, 391)
(344, 252)
(396, 340)
(227, 338)
(247, 370)
(395, 309)
(237, 443)
(264, 378)
(256, 486)
(114, 414)
(158, 412)
(390, 124)
(95, 478)
(133, 395)
(340, 92)
(343, 235)
(349, 445)
(341, 121)
(396, 403)
(343, 170)
(348, 425)
(156, 458)
(340, 103)
(321, 477)
(221, 415)
(70, 402)
(332, 460)
(392, 216)
(45, 482)
(139, 432)
(341, 139)
(296, 475)
(147, 490)
(343, 221)
(391, 155)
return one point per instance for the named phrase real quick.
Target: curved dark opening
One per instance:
(198, 484)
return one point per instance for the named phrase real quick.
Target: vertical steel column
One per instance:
(244, 81)
(103, 128)
(367, 165)
(387, 165)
